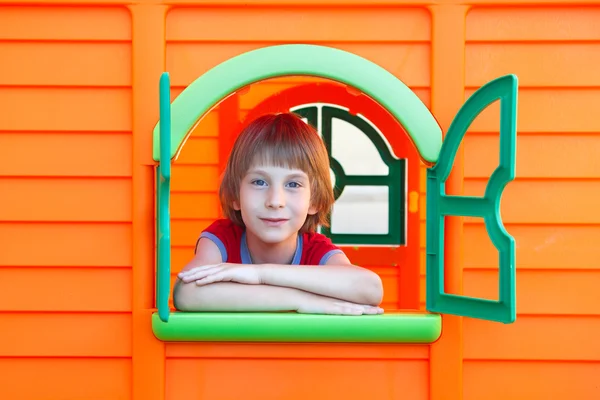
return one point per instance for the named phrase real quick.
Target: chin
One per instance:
(274, 238)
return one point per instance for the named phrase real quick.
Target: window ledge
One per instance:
(391, 327)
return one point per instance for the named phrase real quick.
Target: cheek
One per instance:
(248, 198)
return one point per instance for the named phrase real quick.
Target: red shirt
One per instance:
(311, 248)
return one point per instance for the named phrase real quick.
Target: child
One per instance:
(275, 191)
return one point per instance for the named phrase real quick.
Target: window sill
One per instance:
(391, 327)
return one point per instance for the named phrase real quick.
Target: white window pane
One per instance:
(354, 150)
(361, 210)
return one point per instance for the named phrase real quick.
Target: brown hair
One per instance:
(282, 140)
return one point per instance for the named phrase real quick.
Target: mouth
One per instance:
(274, 221)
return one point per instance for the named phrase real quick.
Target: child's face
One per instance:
(274, 202)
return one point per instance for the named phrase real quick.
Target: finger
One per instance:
(371, 310)
(201, 274)
(375, 309)
(217, 277)
(194, 270)
(352, 311)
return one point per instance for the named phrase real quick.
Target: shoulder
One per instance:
(317, 249)
(225, 234)
(223, 225)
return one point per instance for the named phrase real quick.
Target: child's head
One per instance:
(280, 140)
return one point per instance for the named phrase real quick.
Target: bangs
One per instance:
(281, 153)
(283, 142)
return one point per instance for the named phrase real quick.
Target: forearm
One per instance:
(346, 282)
(236, 297)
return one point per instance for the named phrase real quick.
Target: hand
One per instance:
(207, 274)
(326, 305)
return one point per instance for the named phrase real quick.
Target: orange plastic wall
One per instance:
(78, 101)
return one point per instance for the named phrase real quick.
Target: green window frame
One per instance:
(395, 180)
(177, 119)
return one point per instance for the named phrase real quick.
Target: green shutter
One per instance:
(440, 205)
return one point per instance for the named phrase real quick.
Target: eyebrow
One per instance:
(291, 176)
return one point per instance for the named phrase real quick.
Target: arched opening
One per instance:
(206, 92)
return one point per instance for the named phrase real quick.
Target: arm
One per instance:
(338, 279)
(233, 296)
(236, 297)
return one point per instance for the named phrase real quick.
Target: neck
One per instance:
(271, 253)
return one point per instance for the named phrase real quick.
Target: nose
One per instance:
(275, 197)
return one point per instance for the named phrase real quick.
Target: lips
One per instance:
(274, 221)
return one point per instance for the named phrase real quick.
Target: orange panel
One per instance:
(541, 201)
(186, 205)
(533, 24)
(533, 338)
(280, 379)
(65, 23)
(180, 257)
(538, 156)
(69, 334)
(543, 292)
(69, 64)
(45, 154)
(541, 110)
(199, 150)
(531, 380)
(543, 246)
(535, 64)
(186, 178)
(66, 200)
(299, 24)
(62, 109)
(64, 378)
(407, 61)
(59, 244)
(322, 351)
(65, 289)
(187, 232)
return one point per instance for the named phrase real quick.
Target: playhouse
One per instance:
(463, 143)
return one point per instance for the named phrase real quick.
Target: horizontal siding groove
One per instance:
(258, 357)
(277, 41)
(73, 86)
(546, 88)
(532, 42)
(64, 41)
(531, 269)
(66, 177)
(540, 224)
(539, 179)
(532, 361)
(44, 312)
(66, 132)
(59, 357)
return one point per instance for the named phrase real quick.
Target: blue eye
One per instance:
(259, 182)
(295, 184)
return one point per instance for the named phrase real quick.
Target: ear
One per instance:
(312, 210)
(236, 206)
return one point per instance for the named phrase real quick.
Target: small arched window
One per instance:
(369, 181)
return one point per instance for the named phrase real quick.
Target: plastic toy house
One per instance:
(384, 88)
(116, 120)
